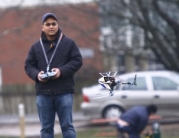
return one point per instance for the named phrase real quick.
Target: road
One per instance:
(10, 125)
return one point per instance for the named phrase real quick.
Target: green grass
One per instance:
(91, 132)
(166, 132)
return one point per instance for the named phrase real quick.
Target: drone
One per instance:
(109, 81)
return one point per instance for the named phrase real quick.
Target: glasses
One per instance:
(49, 24)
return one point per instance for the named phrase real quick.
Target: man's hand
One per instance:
(58, 73)
(39, 77)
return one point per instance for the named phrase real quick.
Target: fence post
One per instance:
(21, 120)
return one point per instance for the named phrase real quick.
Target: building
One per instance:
(21, 27)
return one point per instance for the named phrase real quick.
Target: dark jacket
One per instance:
(137, 117)
(67, 58)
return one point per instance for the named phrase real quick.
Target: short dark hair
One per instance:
(152, 108)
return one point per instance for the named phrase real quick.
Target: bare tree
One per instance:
(156, 20)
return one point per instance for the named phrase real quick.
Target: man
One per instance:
(134, 120)
(52, 63)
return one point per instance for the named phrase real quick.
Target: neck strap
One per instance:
(49, 62)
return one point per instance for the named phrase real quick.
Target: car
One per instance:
(153, 87)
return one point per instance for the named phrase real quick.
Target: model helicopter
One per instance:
(109, 81)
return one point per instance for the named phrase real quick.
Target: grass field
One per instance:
(167, 131)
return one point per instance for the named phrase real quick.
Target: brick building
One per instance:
(21, 27)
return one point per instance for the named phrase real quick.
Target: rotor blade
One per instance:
(135, 83)
(127, 83)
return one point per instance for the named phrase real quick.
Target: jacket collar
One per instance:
(44, 37)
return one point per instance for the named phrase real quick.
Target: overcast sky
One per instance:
(7, 3)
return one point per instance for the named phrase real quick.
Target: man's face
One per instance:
(50, 27)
